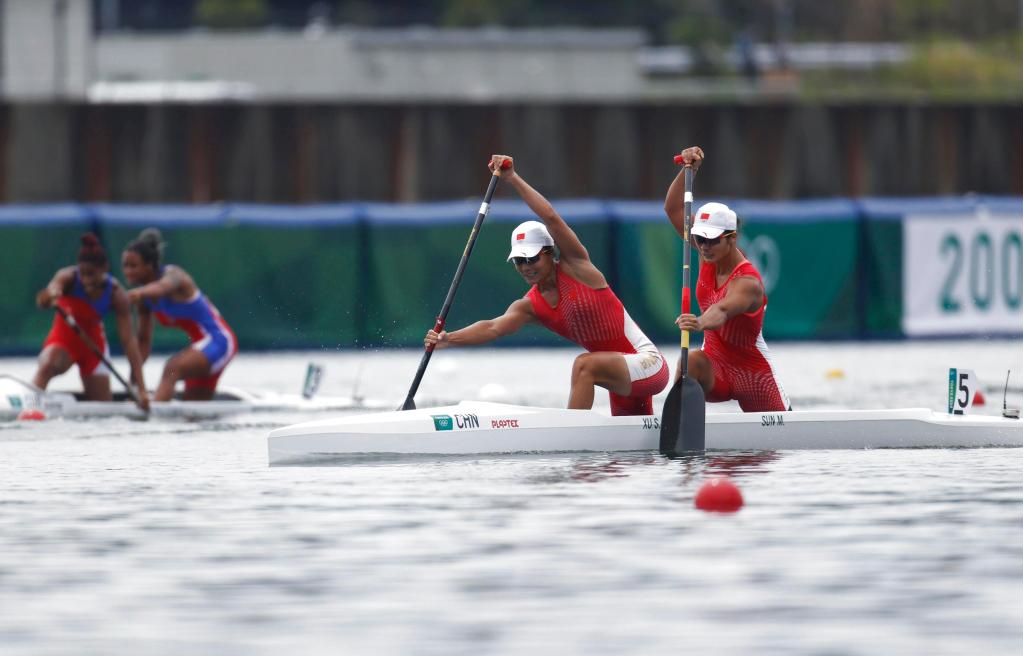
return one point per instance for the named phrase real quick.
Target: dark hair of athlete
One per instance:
(149, 246)
(91, 251)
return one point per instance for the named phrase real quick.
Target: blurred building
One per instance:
(321, 113)
(54, 50)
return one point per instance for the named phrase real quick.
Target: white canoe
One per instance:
(17, 395)
(476, 427)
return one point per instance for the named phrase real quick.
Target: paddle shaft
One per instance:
(686, 259)
(95, 349)
(438, 326)
(683, 417)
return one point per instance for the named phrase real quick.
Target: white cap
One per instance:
(713, 220)
(528, 239)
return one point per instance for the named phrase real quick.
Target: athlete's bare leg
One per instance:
(53, 361)
(97, 387)
(186, 363)
(700, 370)
(608, 370)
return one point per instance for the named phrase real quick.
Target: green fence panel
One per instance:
(330, 276)
(809, 256)
(883, 277)
(282, 277)
(649, 280)
(304, 285)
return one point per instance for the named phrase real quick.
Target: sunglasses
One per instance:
(519, 261)
(703, 241)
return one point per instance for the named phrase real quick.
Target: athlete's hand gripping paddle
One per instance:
(438, 326)
(684, 415)
(70, 320)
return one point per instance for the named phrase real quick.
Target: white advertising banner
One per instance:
(962, 274)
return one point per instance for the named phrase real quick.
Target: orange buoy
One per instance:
(31, 414)
(718, 495)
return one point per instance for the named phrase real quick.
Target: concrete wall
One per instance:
(382, 65)
(46, 49)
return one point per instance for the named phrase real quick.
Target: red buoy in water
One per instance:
(31, 414)
(718, 495)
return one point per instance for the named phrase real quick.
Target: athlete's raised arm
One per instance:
(674, 200)
(566, 239)
(517, 315)
(572, 253)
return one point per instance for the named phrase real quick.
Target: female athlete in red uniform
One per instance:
(87, 292)
(570, 296)
(734, 362)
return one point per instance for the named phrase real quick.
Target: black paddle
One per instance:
(95, 349)
(409, 403)
(684, 415)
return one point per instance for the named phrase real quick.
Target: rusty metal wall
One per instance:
(317, 153)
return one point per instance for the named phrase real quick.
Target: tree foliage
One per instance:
(689, 22)
(231, 13)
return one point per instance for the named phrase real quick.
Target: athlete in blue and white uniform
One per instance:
(169, 293)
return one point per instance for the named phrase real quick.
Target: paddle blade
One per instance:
(683, 419)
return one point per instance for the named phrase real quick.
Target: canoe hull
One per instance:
(17, 395)
(481, 428)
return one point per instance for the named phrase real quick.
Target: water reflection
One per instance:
(698, 466)
(740, 464)
(595, 468)
(572, 467)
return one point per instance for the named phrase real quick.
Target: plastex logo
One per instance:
(442, 422)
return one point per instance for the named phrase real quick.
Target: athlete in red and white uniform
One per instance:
(734, 363)
(169, 293)
(87, 292)
(571, 297)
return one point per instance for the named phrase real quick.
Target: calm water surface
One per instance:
(120, 537)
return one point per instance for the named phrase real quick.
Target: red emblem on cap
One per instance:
(704, 216)
(520, 236)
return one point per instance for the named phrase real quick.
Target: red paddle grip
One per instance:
(437, 327)
(685, 301)
(681, 161)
